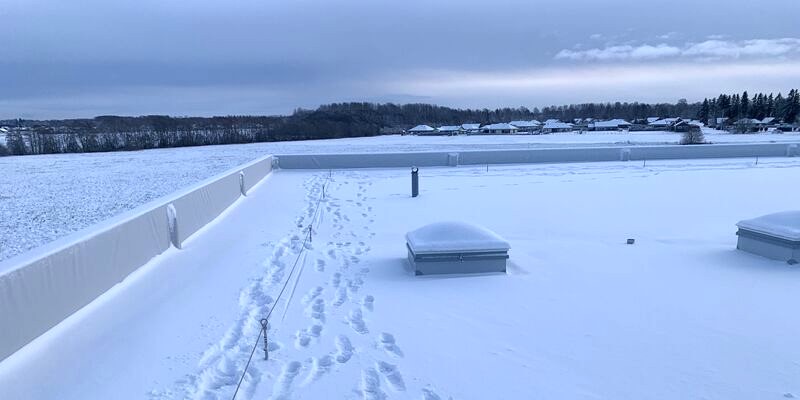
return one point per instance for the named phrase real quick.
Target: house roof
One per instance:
(557, 125)
(652, 119)
(551, 120)
(525, 124)
(422, 128)
(471, 126)
(500, 126)
(612, 123)
(450, 128)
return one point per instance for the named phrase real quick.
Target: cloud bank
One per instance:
(714, 49)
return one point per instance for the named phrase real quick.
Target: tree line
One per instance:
(757, 106)
(340, 120)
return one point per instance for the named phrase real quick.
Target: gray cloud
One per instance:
(709, 49)
(167, 56)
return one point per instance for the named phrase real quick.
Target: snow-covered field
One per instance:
(680, 314)
(43, 198)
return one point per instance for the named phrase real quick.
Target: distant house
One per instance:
(391, 130)
(499, 129)
(745, 125)
(660, 124)
(552, 127)
(610, 125)
(471, 128)
(696, 123)
(718, 122)
(684, 126)
(450, 130)
(423, 130)
(770, 121)
(527, 126)
(652, 119)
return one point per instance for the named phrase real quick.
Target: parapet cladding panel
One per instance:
(775, 236)
(456, 248)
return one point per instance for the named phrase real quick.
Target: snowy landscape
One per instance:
(368, 200)
(49, 196)
(579, 315)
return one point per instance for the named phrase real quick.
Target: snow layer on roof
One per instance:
(500, 126)
(785, 225)
(471, 126)
(611, 123)
(421, 128)
(557, 125)
(525, 124)
(449, 128)
(449, 237)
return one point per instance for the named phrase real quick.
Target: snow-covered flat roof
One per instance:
(784, 225)
(450, 237)
(578, 314)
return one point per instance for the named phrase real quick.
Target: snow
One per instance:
(448, 237)
(556, 125)
(500, 126)
(43, 198)
(785, 225)
(613, 123)
(422, 128)
(580, 314)
(525, 124)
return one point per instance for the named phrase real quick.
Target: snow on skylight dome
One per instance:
(785, 225)
(446, 237)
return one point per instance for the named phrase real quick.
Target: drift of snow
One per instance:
(785, 225)
(454, 236)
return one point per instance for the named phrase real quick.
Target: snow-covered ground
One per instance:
(580, 315)
(43, 198)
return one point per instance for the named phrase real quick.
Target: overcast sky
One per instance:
(64, 59)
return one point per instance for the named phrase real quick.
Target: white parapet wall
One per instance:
(532, 156)
(41, 288)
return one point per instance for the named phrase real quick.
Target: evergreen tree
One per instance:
(705, 111)
(744, 105)
(770, 106)
(792, 106)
